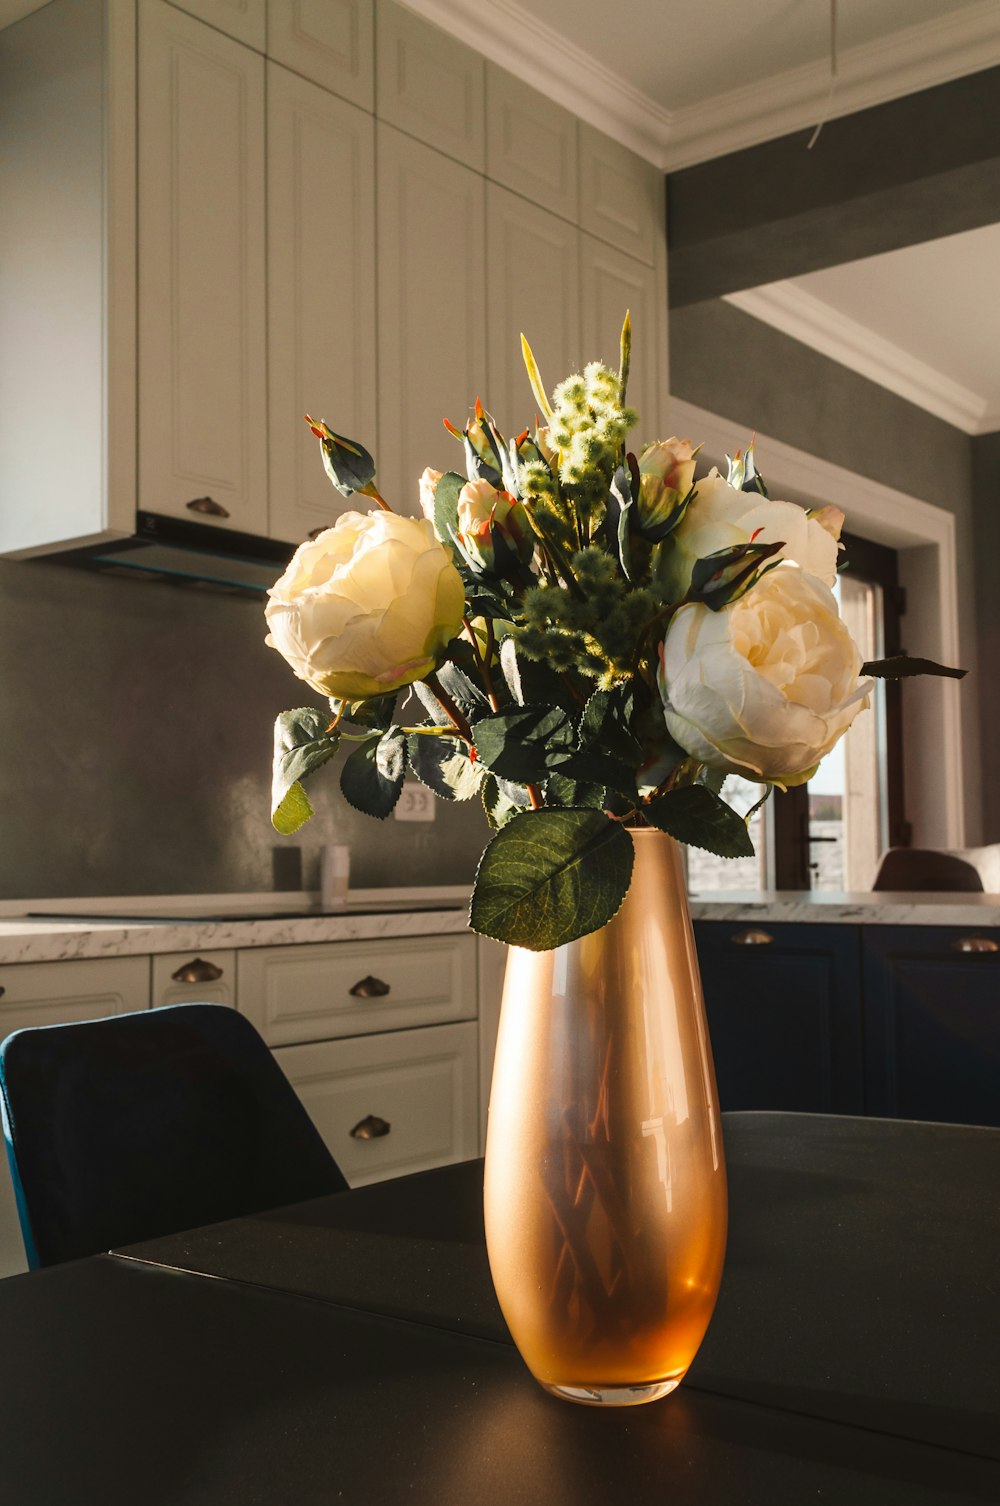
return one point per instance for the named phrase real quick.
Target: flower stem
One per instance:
(460, 721)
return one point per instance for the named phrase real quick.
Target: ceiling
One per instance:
(680, 81)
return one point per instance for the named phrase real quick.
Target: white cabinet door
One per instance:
(193, 978)
(532, 276)
(202, 327)
(429, 84)
(531, 144)
(621, 195)
(320, 295)
(610, 283)
(390, 1104)
(59, 993)
(329, 41)
(244, 20)
(316, 992)
(432, 310)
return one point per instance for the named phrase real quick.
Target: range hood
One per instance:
(172, 549)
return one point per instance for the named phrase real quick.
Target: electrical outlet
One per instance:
(415, 803)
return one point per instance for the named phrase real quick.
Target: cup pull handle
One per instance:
(208, 506)
(975, 944)
(2, 990)
(751, 937)
(370, 1128)
(369, 988)
(197, 971)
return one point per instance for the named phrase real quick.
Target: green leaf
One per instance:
(444, 766)
(551, 876)
(301, 745)
(712, 779)
(502, 800)
(595, 767)
(695, 816)
(372, 777)
(901, 666)
(604, 724)
(533, 683)
(463, 691)
(523, 744)
(534, 377)
(446, 510)
(559, 790)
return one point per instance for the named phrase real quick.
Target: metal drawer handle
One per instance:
(975, 944)
(197, 971)
(369, 988)
(371, 1128)
(209, 506)
(751, 937)
(2, 990)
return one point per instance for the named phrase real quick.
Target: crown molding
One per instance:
(808, 319)
(914, 58)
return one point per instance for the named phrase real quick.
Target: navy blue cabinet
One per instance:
(784, 1013)
(894, 1021)
(932, 1023)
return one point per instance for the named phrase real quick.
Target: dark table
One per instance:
(350, 1349)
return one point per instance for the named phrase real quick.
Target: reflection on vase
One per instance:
(605, 1176)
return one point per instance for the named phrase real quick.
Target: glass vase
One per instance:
(605, 1194)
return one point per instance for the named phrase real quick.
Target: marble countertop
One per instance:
(60, 939)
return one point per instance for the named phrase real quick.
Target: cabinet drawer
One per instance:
(200, 986)
(421, 1083)
(57, 993)
(304, 993)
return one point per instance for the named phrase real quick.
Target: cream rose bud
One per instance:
(719, 517)
(366, 607)
(429, 479)
(492, 529)
(766, 686)
(666, 472)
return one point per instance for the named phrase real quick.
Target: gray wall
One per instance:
(135, 751)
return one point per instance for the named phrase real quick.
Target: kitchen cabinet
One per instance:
(611, 282)
(198, 977)
(533, 279)
(201, 229)
(328, 41)
(243, 20)
(621, 196)
(531, 144)
(320, 292)
(784, 1014)
(431, 301)
(932, 1012)
(391, 1104)
(429, 84)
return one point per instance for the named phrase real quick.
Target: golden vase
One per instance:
(605, 1176)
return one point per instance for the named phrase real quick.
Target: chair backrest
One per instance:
(126, 1128)
(918, 868)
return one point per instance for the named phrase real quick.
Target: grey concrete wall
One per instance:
(135, 749)
(732, 364)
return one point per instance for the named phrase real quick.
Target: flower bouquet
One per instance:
(579, 636)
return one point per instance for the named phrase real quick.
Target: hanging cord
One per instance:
(833, 77)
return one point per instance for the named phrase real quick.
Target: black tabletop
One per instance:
(860, 1283)
(126, 1384)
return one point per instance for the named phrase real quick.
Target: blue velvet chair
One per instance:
(126, 1128)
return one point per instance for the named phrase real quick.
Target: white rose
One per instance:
(719, 516)
(766, 686)
(366, 607)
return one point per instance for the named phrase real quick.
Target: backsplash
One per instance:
(135, 751)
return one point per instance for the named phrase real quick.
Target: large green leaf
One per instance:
(372, 778)
(533, 683)
(523, 745)
(551, 876)
(443, 764)
(901, 666)
(695, 816)
(301, 745)
(502, 800)
(604, 724)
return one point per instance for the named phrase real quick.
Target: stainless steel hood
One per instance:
(172, 549)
